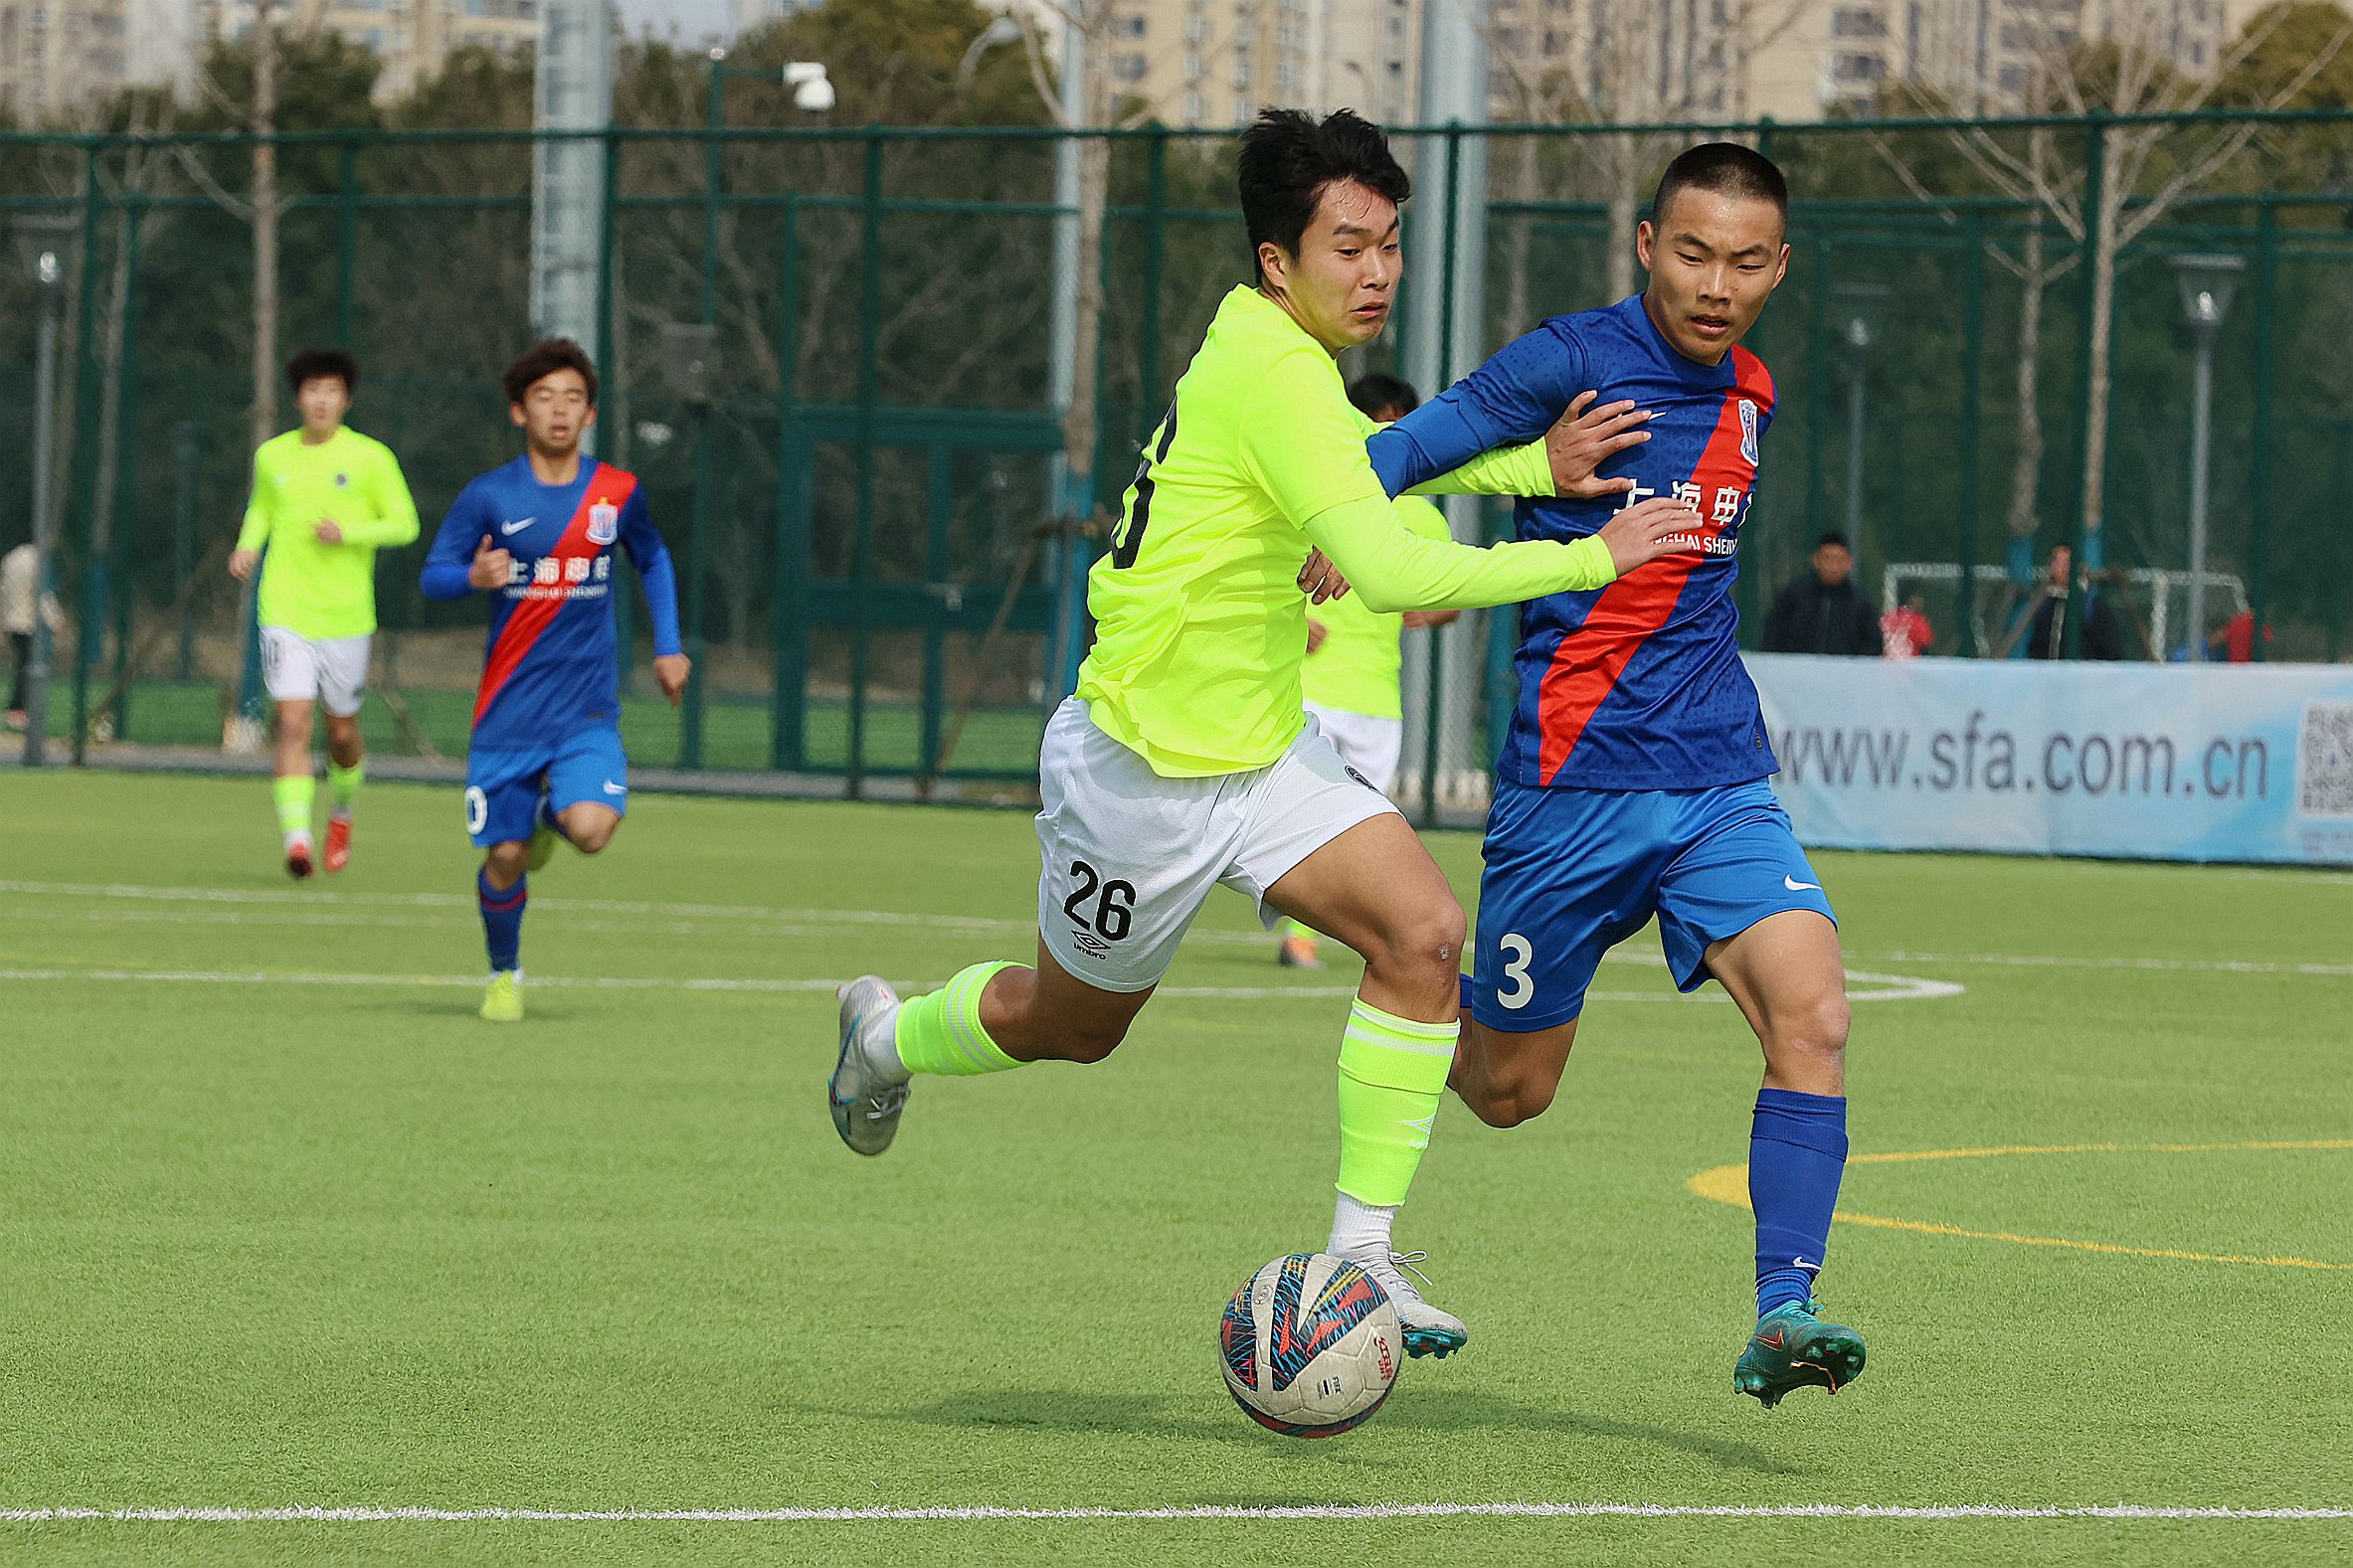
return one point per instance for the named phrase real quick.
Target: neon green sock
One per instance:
(344, 783)
(294, 794)
(940, 1032)
(1392, 1072)
(1291, 928)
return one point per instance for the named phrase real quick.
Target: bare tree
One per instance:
(2132, 74)
(1621, 48)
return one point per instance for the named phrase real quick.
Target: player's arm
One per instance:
(651, 557)
(395, 523)
(463, 558)
(1304, 446)
(253, 533)
(1528, 410)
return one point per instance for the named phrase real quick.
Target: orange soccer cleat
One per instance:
(338, 843)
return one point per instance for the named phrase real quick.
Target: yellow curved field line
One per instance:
(1729, 1184)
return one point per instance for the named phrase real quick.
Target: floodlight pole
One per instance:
(2201, 459)
(49, 273)
(2206, 285)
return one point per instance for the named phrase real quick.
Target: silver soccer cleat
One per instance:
(865, 1104)
(1428, 1331)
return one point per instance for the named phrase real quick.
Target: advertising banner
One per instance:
(2160, 762)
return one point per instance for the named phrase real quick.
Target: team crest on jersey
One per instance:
(1749, 432)
(604, 523)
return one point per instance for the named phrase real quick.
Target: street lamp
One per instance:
(1862, 323)
(47, 244)
(2205, 283)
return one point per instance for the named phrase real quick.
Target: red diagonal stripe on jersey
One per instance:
(1586, 667)
(532, 617)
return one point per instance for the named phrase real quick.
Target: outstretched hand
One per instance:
(1648, 530)
(1588, 437)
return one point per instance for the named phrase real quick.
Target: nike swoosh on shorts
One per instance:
(1795, 886)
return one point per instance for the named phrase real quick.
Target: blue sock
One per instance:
(502, 919)
(1797, 1149)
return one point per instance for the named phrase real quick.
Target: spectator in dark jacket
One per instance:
(2102, 630)
(1821, 612)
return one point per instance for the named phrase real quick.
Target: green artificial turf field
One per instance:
(283, 1224)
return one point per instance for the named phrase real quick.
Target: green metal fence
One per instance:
(865, 515)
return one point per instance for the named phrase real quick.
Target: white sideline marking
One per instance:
(2042, 961)
(1905, 988)
(1352, 1511)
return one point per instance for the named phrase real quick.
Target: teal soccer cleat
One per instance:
(1793, 1349)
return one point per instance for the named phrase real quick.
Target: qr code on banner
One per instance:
(2324, 761)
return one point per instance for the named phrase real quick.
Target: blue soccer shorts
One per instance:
(1572, 873)
(502, 788)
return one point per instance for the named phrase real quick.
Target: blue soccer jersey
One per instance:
(1638, 685)
(549, 666)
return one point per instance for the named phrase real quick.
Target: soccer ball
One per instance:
(1310, 1345)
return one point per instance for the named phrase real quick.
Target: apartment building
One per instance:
(56, 55)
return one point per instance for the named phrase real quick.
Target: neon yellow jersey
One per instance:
(313, 590)
(1200, 624)
(1354, 669)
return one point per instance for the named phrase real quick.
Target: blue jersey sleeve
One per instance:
(451, 559)
(1513, 398)
(651, 557)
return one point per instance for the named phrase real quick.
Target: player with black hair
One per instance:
(540, 535)
(326, 500)
(1186, 760)
(1635, 779)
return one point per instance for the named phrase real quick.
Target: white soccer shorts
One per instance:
(1369, 745)
(331, 671)
(1129, 857)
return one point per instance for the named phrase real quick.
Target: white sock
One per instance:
(1360, 1230)
(292, 840)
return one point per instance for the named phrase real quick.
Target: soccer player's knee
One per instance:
(1428, 942)
(1818, 1027)
(592, 836)
(1506, 1094)
(503, 864)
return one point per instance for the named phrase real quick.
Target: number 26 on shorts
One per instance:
(1517, 989)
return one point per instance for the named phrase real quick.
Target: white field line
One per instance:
(685, 917)
(1344, 1511)
(1901, 987)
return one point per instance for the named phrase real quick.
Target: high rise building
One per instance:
(1217, 62)
(58, 55)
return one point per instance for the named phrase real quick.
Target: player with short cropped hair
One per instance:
(326, 500)
(1186, 760)
(1636, 776)
(1354, 658)
(538, 534)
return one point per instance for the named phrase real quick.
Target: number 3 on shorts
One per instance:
(477, 809)
(1518, 990)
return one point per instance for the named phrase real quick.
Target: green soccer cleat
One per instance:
(503, 1001)
(543, 847)
(1793, 1349)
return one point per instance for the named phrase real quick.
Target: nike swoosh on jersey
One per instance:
(516, 527)
(1795, 886)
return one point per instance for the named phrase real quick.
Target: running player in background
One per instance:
(1350, 678)
(1636, 775)
(538, 535)
(1185, 760)
(326, 500)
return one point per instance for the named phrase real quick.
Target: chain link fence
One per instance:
(879, 558)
